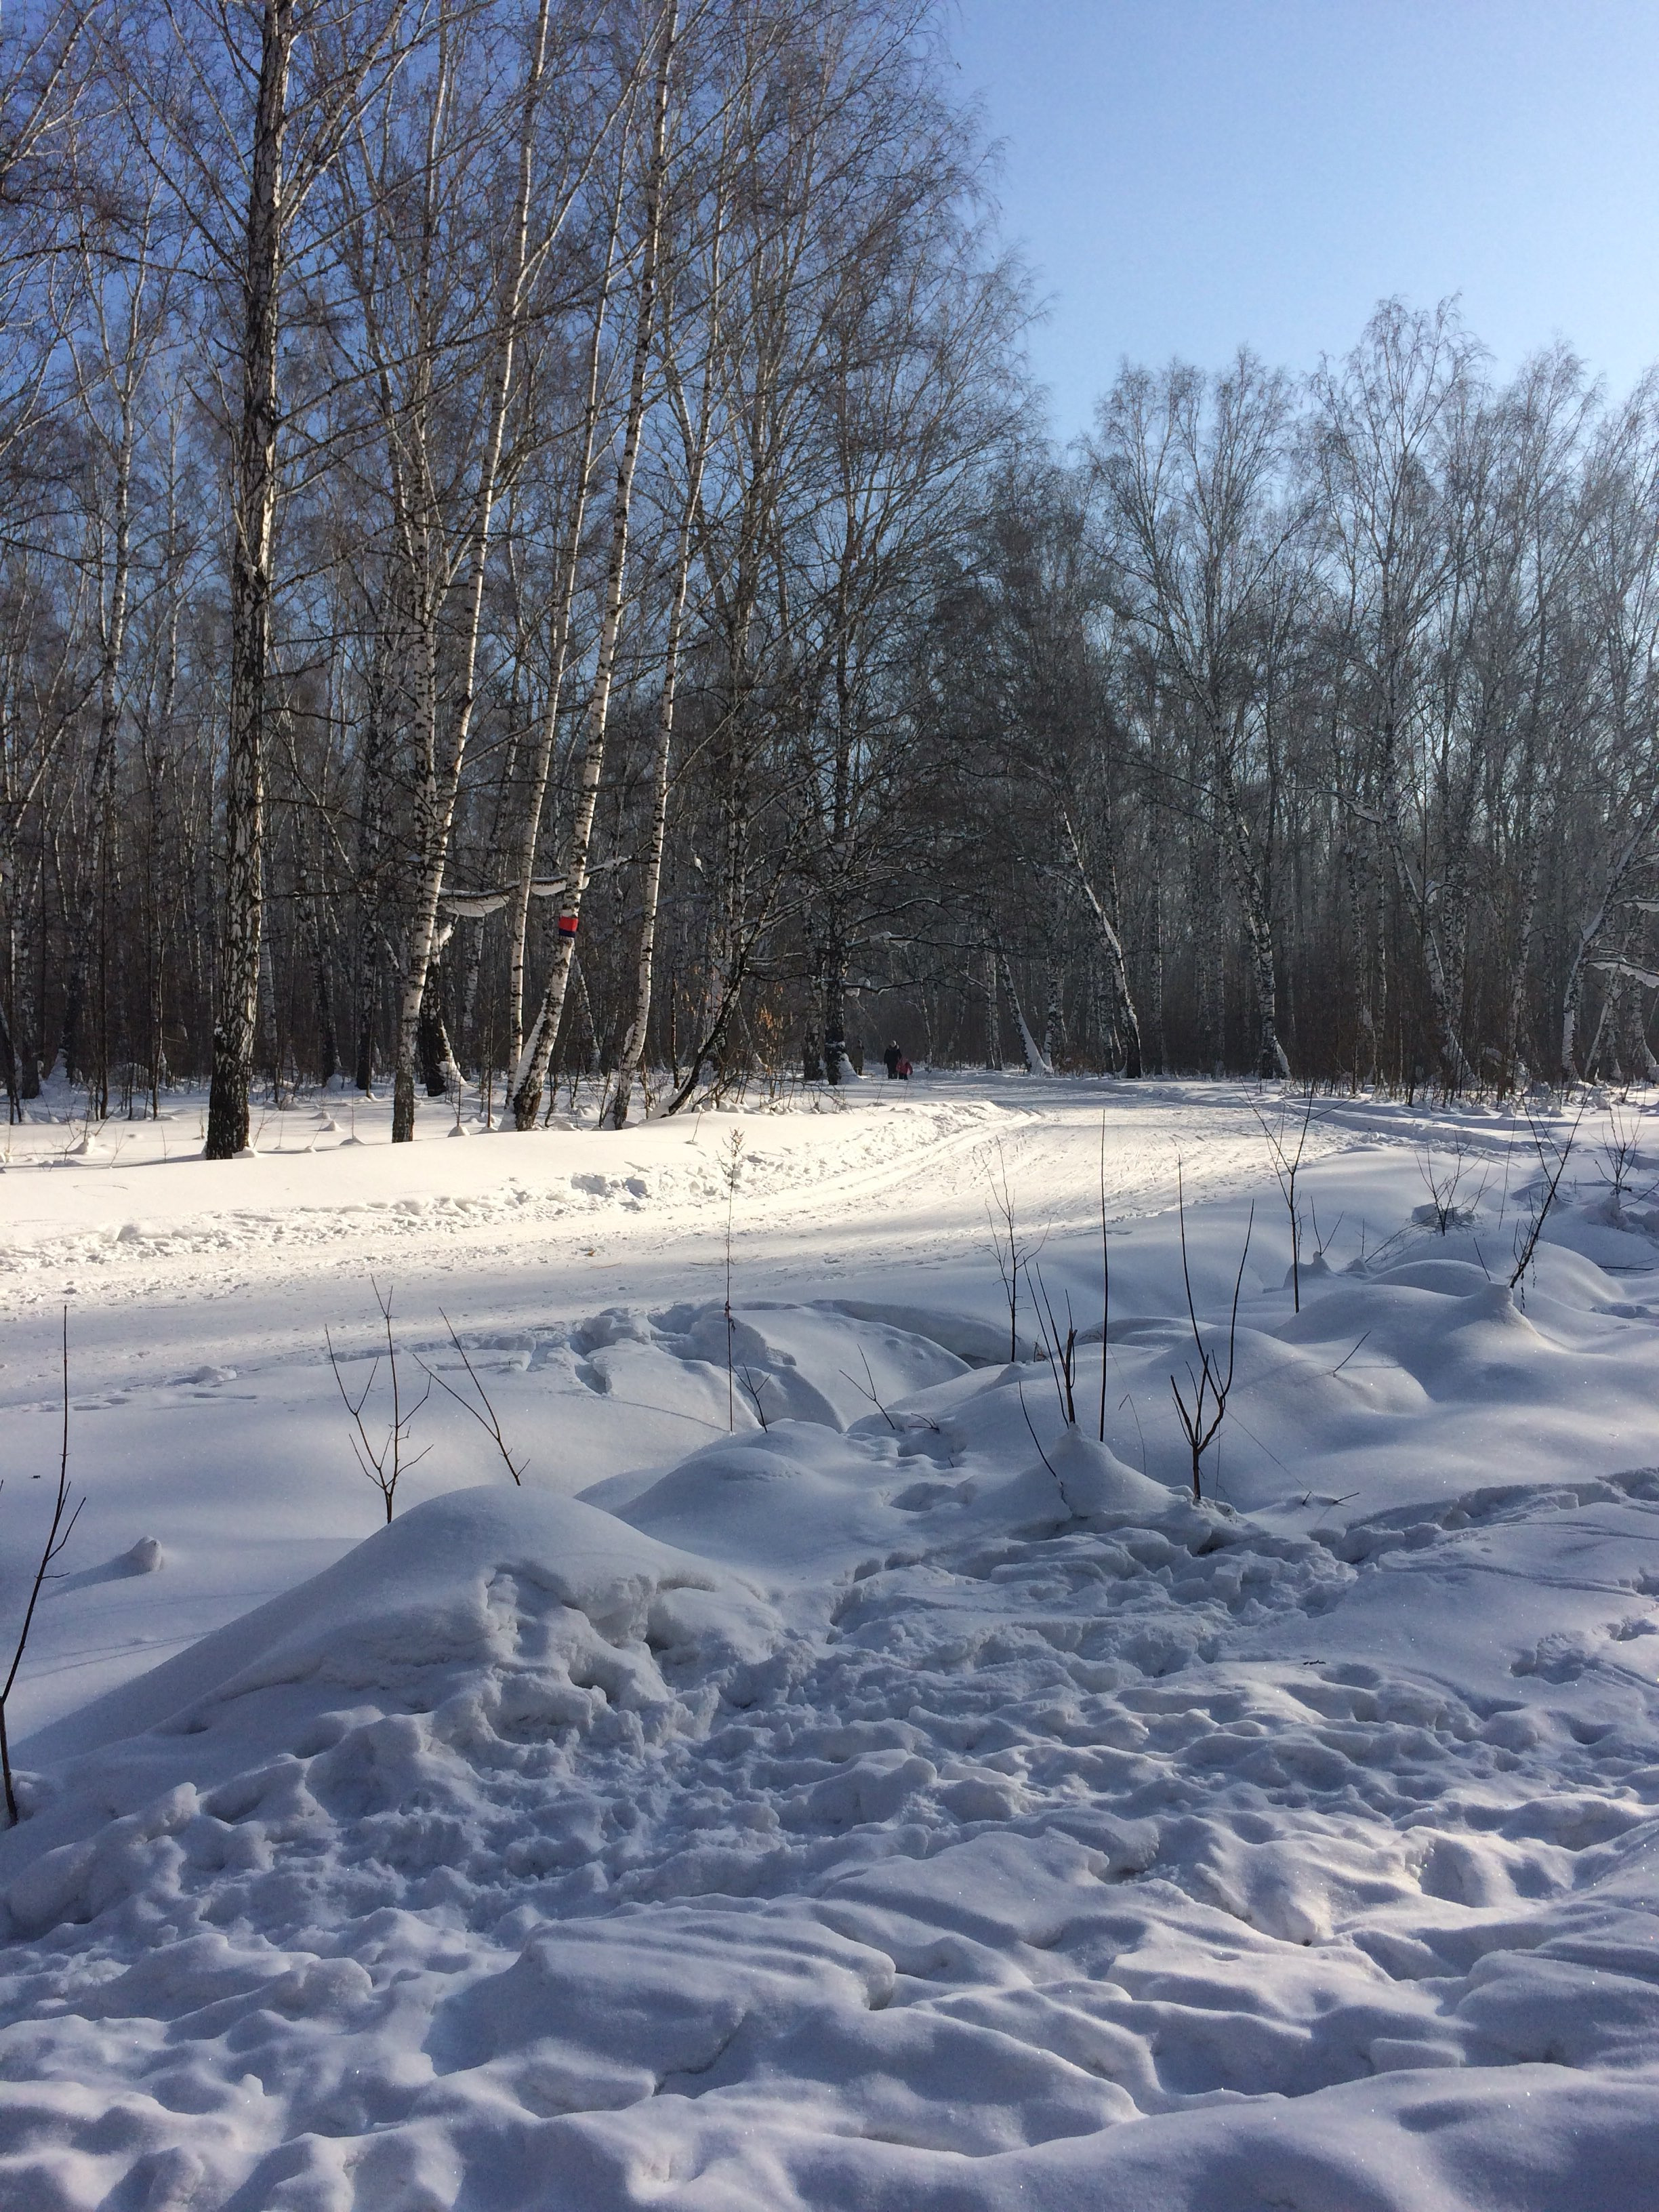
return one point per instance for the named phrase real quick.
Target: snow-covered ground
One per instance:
(834, 1782)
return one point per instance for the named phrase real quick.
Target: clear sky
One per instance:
(1185, 175)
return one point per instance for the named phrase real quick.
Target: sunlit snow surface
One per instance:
(904, 1803)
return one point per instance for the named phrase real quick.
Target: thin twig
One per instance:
(1105, 1282)
(487, 1420)
(1201, 1421)
(385, 1466)
(1042, 1454)
(1540, 1141)
(58, 1535)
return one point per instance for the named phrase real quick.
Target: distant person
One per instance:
(895, 1059)
(904, 1071)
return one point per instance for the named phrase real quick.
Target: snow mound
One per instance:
(431, 1596)
(482, 1628)
(896, 1800)
(1094, 1482)
(1067, 1856)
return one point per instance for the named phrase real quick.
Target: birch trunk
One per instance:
(102, 793)
(536, 1051)
(518, 913)
(1526, 903)
(633, 1051)
(1589, 935)
(1271, 1061)
(443, 784)
(1365, 1044)
(832, 969)
(1442, 972)
(371, 830)
(1126, 1020)
(253, 522)
(1160, 1039)
(1037, 1061)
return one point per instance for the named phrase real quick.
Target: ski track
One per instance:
(946, 1148)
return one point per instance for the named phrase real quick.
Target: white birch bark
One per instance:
(537, 1051)
(1037, 1061)
(1589, 934)
(442, 782)
(517, 921)
(1111, 946)
(633, 1052)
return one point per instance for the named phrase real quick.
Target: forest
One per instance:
(531, 548)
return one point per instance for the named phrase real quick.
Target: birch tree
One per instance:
(1191, 470)
(531, 1072)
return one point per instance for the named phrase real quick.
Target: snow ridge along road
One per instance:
(870, 1791)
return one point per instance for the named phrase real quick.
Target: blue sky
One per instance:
(1185, 175)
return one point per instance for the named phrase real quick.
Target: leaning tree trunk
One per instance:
(1446, 929)
(537, 1054)
(1037, 1061)
(237, 1014)
(1271, 1058)
(1111, 944)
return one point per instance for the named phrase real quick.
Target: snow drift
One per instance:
(901, 1800)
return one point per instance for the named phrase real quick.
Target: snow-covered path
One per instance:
(876, 1792)
(246, 1250)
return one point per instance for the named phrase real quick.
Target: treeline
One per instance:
(527, 546)
(1324, 719)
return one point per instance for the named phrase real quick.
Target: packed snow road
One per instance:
(873, 1790)
(885, 1175)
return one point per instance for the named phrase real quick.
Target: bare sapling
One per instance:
(1553, 1159)
(1210, 1387)
(485, 1412)
(1443, 1177)
(1014, 1255)
(58, 1532)
(731, 1171)
(1105, 1283)
(1321, 1242)
(1286, 1159)
(1621, 1155)
(387, 1463)
(1030, 1430)
(867, 1389)
(753, 1388)
(1060, 1351)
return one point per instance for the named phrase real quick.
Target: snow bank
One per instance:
(1058, 1858)
(888, 1796)
(471, 1624)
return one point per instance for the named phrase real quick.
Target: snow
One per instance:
(845, 1785)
